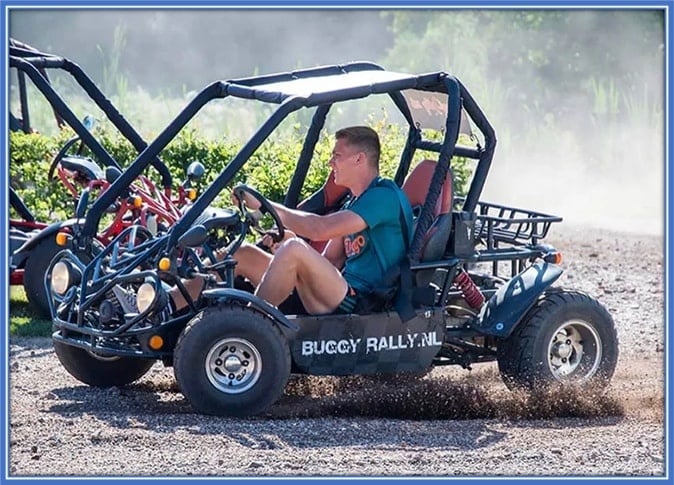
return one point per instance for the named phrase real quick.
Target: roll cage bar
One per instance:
(23, 93)
(34, 63)
(321, 87)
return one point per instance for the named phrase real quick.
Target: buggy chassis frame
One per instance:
(366, 79)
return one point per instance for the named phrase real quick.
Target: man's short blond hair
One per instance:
(365, 139)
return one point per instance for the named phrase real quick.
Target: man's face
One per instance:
(344, 159)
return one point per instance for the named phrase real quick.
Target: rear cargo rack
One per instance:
(501, 224)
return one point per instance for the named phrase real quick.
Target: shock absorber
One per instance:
(469, 289)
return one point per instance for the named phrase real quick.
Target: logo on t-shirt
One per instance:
(353, 245)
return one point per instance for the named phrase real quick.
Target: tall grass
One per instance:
(114, 79)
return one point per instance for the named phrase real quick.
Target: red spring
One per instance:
(469, 289)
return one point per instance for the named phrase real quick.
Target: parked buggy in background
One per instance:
(232, 352)
(32, 242)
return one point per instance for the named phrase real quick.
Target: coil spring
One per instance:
(469, 289)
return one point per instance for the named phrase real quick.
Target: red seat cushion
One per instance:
(417, 183)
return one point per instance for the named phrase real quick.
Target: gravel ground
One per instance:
(451, 423)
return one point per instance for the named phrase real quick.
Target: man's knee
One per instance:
(246, 253)
(292, 249)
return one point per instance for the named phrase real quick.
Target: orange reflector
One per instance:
(554, 258)
(137, 202)
(164, 264)
(192, 194)
(156, 342)
(61, 238)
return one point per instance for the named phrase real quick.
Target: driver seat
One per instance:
(329, 198)
(416, 187)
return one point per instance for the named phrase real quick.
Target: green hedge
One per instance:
(269, 170)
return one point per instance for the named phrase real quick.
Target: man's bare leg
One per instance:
(320, 285)
(252, 262)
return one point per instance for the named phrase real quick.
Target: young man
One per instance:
(365, 238)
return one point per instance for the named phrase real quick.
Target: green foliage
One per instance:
(269, 170)
(30, 158)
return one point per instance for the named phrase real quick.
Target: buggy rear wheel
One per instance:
(568, 337)
(99, 371)
(231, 361)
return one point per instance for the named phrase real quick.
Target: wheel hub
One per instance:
(574, 351)
(562, 350)
(233, 365)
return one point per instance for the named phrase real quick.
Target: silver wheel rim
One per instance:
(574, 352)
(233, 365)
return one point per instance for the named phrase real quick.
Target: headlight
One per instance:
(63, 276)
(145, 296)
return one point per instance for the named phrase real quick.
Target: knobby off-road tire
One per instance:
(99, 371)
(231, 361)
(568, 337)
(33, 277)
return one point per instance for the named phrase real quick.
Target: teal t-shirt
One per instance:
(380, 246)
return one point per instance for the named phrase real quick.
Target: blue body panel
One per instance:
(504, 310)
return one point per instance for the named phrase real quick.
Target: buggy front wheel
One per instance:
(567, 337)
(231, 361)
(100, 371)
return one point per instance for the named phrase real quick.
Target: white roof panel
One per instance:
(325, 84)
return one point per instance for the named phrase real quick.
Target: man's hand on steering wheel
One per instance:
(271, 240)
(247, 199)
(241, 195)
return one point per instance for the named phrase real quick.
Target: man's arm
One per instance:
(313, 226)
(320, 228)
(334, 252)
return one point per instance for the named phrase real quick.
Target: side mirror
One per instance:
(195, 171)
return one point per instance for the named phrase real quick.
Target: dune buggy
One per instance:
(32, 243)
(477, 285)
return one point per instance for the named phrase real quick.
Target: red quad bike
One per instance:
(478, 283)
(33, 243)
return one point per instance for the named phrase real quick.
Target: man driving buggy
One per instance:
(365, 238)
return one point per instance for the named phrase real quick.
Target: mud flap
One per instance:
(365, 344)
(46, 232)
(504, 310)
(287, 327)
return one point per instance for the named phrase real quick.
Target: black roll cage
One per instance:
(34, 63)
(321, 87)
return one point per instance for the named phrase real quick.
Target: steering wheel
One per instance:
(255, 216)
(62, 153)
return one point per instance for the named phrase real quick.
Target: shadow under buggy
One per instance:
(476, 286)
